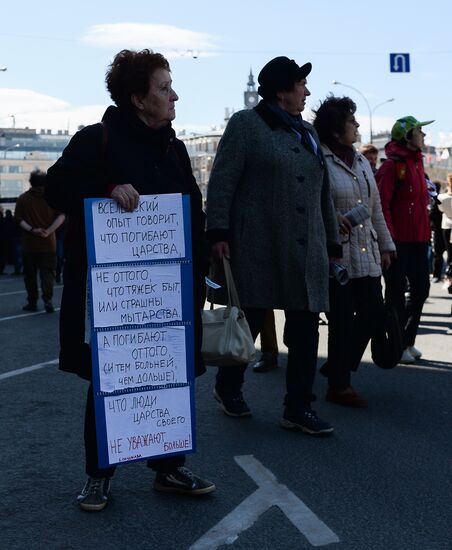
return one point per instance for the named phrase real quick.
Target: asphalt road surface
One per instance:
(383, 481)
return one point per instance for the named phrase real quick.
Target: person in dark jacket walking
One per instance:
(438, 244)
(269, 209)
(39, 222)
(404, 199)
(133, 151)
(13, 242)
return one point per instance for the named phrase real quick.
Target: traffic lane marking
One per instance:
(270, 493)
(11, 293)
(23, 291)
(26, 370)
(27, 315)
(10, 279)
(299, 514)
(425, 367)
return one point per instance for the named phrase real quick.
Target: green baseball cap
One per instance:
(404, 125)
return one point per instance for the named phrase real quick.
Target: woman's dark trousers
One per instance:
(269, 340)
(447, 244)
(301, 336)
(439, 246)
(165, 465)
(356, 312)
(411, 266)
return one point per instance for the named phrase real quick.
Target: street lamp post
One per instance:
(9, 149)
(371, 110)
(380, 104)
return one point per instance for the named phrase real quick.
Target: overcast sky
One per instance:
(57, 53)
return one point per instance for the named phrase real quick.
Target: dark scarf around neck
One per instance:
(346, 153)
(135, 127)
(295, 123)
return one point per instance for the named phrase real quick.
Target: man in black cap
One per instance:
(269, 210)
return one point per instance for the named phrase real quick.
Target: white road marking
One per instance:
(26, 315)
(22, 291)
(16, 372)
(421, 367)
(270, 493)
(11, 293)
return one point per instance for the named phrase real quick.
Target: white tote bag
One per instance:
(226, 336)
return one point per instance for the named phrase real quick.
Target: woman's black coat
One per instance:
(120, 150)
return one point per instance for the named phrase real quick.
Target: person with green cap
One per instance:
(404, 199)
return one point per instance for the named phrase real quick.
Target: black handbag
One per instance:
(387, 342)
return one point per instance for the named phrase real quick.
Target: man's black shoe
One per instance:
(232, 404)
(307, 421)
(182, 481)
(30, 307)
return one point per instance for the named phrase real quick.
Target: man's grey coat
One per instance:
(269, 197)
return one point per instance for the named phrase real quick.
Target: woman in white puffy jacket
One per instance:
(357, 307)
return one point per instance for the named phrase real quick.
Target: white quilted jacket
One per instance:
(350, 187)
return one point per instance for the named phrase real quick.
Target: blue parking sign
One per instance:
(399, 62)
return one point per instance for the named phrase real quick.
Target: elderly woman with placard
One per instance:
(133, 151)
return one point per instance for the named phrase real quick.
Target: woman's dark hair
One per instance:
(331, 116)
(129, 74)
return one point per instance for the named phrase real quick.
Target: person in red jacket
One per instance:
(404, 199)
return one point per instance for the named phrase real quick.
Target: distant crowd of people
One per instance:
(10, 242)
(308, 223)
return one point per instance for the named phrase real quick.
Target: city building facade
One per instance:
(23, 150)
(203, 147)
(201, 150)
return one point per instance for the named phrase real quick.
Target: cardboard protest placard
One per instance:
(141, 327)
(142, 357)
(146, 424)
(136, 294)
(154, 231)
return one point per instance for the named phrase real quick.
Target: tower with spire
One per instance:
(250, 94)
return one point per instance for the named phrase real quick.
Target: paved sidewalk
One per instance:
(433, 338)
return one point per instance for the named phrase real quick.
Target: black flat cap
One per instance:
(280, 74)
